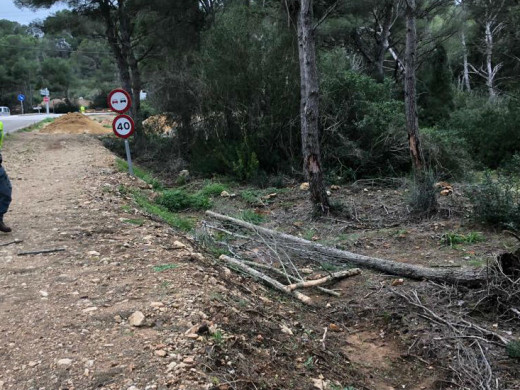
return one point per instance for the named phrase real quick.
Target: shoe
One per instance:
(4, 228)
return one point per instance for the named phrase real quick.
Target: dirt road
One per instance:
(64, 316)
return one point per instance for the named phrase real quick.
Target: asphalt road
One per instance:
(13, 123)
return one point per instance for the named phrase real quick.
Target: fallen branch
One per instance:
(386, 266)
(270, 281)
(335, 276)
(42, 251)
(290, 277)
(11, 242)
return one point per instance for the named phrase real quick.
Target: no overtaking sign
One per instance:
(123, 125)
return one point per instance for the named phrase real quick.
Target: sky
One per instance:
(24, 16)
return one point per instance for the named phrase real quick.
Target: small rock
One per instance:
(94, 253)
(136, 319)
(334, 328)
(329, 193)
(225, 194)
(89, 309)
(160, 353)
(304, 186)
(397, 282)
(33, 364)
(44, 293)
(286, 330)
(188, 360)
(156, 304)
(178, 245)
(171, 366)
(334, 187)
(64, 363)
(133, 388)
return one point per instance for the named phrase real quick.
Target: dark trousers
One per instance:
(5, 192)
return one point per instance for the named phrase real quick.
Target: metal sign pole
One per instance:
(129, 158)
(21, 104)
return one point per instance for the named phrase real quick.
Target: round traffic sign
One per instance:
(45, 99)
(123, 126)
(21, 97)
(119, 100)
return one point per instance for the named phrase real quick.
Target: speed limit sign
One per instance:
(123, 126)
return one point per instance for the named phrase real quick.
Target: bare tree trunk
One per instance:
(309, 110)
(383, 42)
(410, 94)
(467, 84)
(490, 74)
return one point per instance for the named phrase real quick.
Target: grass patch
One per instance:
(452, 239)
(251, 197)
(138, 222)
(252, 217)
(179, 200)
(170, 218)
(165, 267)
(126, 208)
(122, 166)
(213, 189)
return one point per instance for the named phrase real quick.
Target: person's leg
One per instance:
(5, 198)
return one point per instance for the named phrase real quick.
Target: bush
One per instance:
(178, 200)
(496, 200)
(213, 189)
(423, 195)
(65, 107)
(446, 152)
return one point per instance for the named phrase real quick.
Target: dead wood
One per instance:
(41, 252)
(335, 276)
(315, 250)
(267, 279)
(290, 277)
(11, 242)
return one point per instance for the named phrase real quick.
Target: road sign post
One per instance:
(46, 101)
(21, 98)
(123, 126)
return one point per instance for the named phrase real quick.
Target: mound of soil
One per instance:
(75, 123)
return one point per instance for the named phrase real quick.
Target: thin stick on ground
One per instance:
(335, 276)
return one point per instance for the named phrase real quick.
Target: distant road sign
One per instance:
(123, 126)
(21, 97)
(44, 92)
(46, 99)
(119, 100)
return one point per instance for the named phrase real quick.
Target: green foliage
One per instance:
(364, 126)
(513, 349)
(436, 97)
(180, 200)
(451, 239)
(213, 189)
(447, 153)
(167, 216)
(496, 200)
(250, 196)
(138, 222)
(165, 267)
(251, 216)
(490, 129)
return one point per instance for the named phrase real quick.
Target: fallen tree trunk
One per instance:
(411, 271)
(270, 281)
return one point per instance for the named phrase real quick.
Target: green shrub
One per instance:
(252, 217)
(513, 349)
(496, 200)
(452, 239)
(213, 189)
(178, 200)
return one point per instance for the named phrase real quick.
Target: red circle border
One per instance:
(109, 98)
(114, 126)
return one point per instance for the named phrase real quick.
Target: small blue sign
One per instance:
(21, 97)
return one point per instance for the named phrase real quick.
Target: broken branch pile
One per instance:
(286, 243)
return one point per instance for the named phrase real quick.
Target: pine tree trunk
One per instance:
(309, 109)
(383, 42)
(410, 94)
